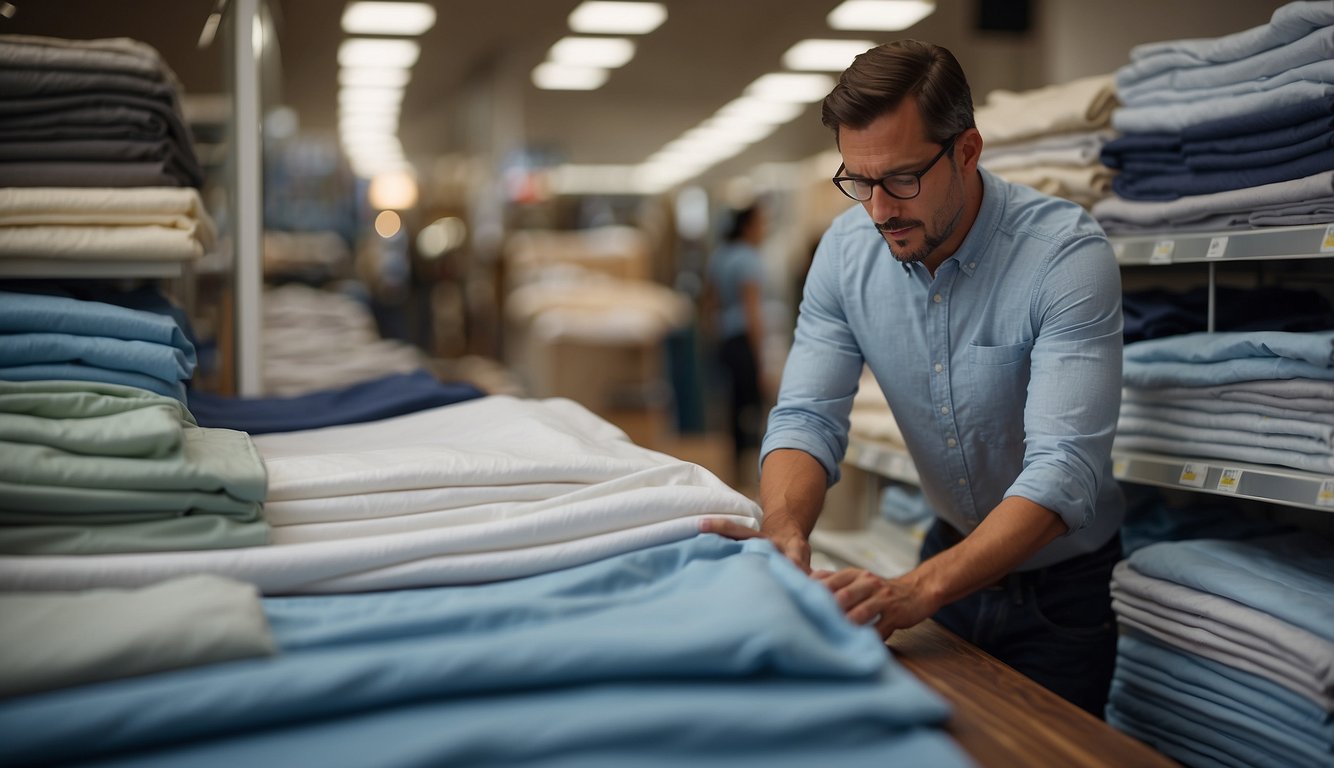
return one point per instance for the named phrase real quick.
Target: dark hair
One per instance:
(879, 79)
(740, 219)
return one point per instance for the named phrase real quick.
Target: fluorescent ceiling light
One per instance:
(363, 18)
(762, 111)
(559, 77)
(607, 52)
(374, 77)
(791, 87)
(370, 96)
(879, 15)
(617, 18)
(731, 133)
(368, 52)
(824, 55)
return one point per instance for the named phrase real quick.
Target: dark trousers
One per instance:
(1054, 624)
(744, 404)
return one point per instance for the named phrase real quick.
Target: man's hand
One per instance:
(786, 535)
(886, 604)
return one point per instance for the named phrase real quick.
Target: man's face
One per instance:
(896, 143)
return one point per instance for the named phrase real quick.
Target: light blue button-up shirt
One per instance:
(1003, 370)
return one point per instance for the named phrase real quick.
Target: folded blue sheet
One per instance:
(393, 395)
(81, 372)
(37, 313)
(160, 361)
(704, 651)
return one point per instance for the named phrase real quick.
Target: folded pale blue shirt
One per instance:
(161, 361)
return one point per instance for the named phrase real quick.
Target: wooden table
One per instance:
(1002, 718)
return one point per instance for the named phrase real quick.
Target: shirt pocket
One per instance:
(998, 378)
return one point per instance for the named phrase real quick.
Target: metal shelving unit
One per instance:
(1278, 485)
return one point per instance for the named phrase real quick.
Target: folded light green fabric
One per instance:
(208, 460)
(42, 504)
(80, 399)
(57, 640)
(193, 532)
(153, 431)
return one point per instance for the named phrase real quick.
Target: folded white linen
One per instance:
(632, 498)
(365, 506)
(496, 440)
(385, 562)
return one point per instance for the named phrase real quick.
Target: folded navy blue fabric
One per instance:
(382, 398)
(1282, 136)
(1155, 313)
(1261, 120)
(1170, 186)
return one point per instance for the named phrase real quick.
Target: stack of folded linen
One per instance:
(1050, 138)
(1263, 397)
(1227, 133)
(91, 113)
(490, 489)
(1227, 653)
(61, 338)
(92, 468)
(137, 224)
(318, 339)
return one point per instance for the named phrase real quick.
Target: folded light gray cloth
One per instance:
(61, 639)
(1228, 621)
(1248, 454)
(1298, 394)
(1235, 422)
(1202, 642)
(1116, 212)
(1292, 411)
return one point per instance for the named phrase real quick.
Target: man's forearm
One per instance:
(792, 486)
(1011, 534)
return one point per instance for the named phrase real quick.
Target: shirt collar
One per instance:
(975, 244)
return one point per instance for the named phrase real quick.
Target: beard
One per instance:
(943, 225)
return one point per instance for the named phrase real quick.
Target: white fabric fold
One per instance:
(609, 496)
(1082, 104)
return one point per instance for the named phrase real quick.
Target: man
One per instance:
(993, 325)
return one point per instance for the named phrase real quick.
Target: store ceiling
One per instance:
(700, 58)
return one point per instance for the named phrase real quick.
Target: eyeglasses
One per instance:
(904, 186)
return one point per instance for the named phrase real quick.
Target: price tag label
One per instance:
(1192, 475)
(1217, 247)
(1327, 242)
(1229, 480)
(1118, 250)
(1119, 467)
(1162, 252)
(1325, 496)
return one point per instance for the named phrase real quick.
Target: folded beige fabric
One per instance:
(171, 207)
(60, 639)
(1079, 105)
(141, 243)
(1092, 182)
